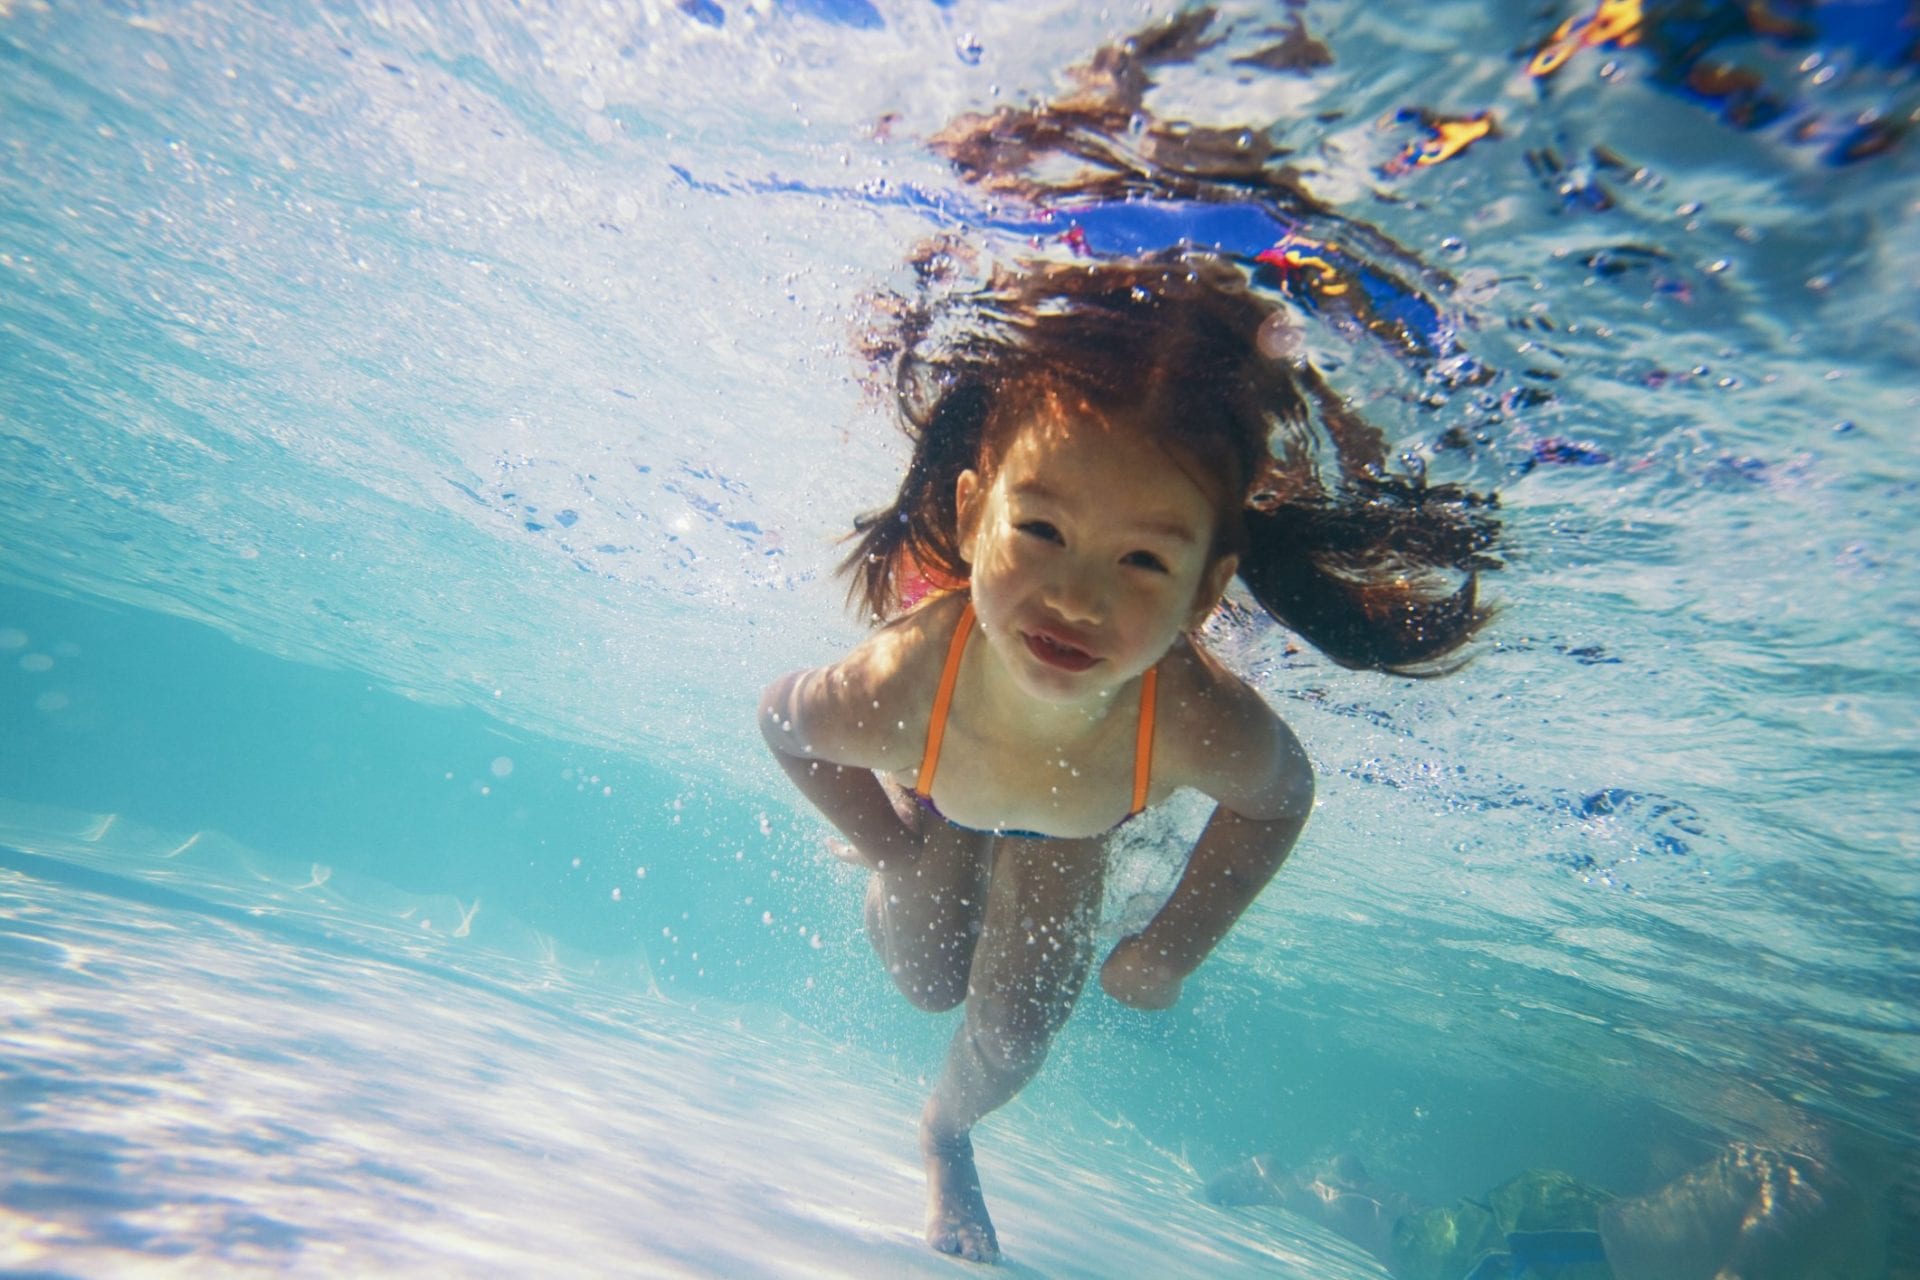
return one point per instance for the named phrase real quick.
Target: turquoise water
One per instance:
(423, 429)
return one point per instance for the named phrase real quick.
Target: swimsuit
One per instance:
(937, 728)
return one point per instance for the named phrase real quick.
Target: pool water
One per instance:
(425, 427)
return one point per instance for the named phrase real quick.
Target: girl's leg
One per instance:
(925, 917)
(1029, 965)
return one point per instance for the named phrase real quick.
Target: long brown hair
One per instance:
(1372, 570)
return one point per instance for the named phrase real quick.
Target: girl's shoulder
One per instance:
(870, 708)
(904, 656)
(1215, 733)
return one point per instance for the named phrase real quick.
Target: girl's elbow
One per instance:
(1289, 804)
(776, 712)
(1301, 798)
(1287, 797)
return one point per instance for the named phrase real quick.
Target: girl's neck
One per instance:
(1000, 701)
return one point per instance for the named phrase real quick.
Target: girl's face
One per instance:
(1090, 552)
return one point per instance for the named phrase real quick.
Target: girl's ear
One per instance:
(967, 493)
(1213, 585)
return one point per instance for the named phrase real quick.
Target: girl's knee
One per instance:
(928, 960)
(936, 993)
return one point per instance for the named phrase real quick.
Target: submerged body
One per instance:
(1748, 1213)
(1094, 462)
(1092, 556)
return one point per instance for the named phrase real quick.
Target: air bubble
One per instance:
(1276, 338)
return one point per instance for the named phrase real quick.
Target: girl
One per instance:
(1091, 469)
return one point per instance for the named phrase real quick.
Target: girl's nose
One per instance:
(1077, 598)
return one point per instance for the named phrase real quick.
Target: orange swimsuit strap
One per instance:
(943, 702)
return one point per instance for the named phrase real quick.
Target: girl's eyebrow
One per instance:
(1177, 530)
(1166, 527)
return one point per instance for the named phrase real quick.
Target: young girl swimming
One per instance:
(1092, 467)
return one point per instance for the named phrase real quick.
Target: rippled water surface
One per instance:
(423, 429)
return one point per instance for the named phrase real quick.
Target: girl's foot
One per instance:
(957, 1221)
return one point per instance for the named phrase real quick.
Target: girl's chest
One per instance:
(993, 781)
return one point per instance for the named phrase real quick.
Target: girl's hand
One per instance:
(1138, 977)
(894, 847)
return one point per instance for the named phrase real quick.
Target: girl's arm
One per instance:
(1229, 866)
(1265, 790)
(806, 719)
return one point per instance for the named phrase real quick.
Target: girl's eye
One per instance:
(1145, 560)
(1039, 529)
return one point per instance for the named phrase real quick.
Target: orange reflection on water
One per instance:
(1446, 138)
(1615, 22)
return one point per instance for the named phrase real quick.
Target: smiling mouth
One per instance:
(1055, 653)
